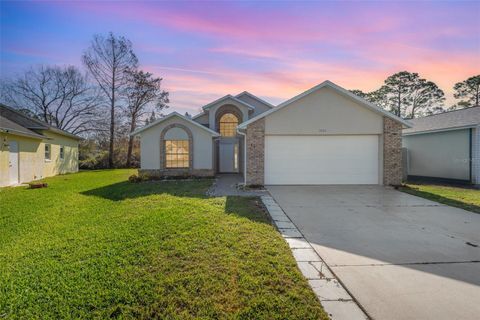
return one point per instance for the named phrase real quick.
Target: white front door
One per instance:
(303, 160)
(228, 156)
(13, 162)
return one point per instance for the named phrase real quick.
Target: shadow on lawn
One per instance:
(441, 199)
(128, 190)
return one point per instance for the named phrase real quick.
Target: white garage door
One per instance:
(321, 159)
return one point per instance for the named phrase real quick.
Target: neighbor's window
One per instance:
(228, 125)
(48, 151)
(62, 152)
(177, 154)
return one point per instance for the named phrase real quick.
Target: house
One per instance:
(325, 135)
(445, 146)
(31, 149)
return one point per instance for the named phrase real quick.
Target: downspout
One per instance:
(244, 156)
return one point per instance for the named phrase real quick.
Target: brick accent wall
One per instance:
(176, 173)
(476, 156)
(256, 152)
(392, 152)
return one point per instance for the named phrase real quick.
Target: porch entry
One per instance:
(228, 152)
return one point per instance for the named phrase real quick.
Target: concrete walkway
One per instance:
(227, 185)
(399, 256)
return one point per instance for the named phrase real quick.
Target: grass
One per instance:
(461, 197)
(92, 245)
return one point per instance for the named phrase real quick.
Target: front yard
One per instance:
(461, 197)
(93, 245)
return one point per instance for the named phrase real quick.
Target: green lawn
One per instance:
(465, 198)
(93, 245)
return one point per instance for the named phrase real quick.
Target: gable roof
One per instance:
(28, 123)
(171, 115)
(199, 115)
(338, 89)
(450, 120)
(268, 104)
(228, 96)
(8, 126)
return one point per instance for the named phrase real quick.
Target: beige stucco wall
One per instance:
(150, 145)
(30, 159)
(441, 155)
(324, 112)
(56, 165)
(31, 153)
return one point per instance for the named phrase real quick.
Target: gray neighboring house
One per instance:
(325, 135)
(445, 146)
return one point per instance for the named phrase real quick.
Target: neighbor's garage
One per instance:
(323, 137)
(339, 159)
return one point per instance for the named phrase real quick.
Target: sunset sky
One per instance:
(275, 50)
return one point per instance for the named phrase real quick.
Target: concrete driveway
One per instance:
(400, 256)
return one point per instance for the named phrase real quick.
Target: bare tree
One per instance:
(108, 59)
(143, 91)
(60, 96)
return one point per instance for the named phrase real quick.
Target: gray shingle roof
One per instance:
(464, 118)
(7, 125)
(14, 118)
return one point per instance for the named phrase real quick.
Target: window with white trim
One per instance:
(48, 151)
(62, 152)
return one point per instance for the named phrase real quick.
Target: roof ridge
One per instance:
(447, 111)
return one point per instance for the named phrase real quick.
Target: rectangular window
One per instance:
(62, 152)
(176, 154)
(48, 152)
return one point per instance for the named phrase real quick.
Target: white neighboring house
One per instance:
(445, 146)
(325, 135)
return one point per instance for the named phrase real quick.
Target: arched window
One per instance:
(177, 149)
(228, 125)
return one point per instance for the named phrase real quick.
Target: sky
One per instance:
(276, 50)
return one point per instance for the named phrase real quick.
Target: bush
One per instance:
(135, 179)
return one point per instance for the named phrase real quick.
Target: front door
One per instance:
(13, 162)
(228, 156)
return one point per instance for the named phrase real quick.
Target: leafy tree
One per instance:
(60, 96)
(108, 59)
(468, 91)
(359, 93)
(425, 98)
(410, 96)
(142, 91)
(379, 97)
(399, 87)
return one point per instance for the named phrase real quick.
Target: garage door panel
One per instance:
(321, 159)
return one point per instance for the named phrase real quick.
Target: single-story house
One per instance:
(325, 135)
(445, 146)
(31, 149)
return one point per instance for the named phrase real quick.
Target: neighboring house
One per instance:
(31, 149)
(325, 135)
(445, 146)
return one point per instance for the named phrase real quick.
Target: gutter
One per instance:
(24, 134)
(438, 130)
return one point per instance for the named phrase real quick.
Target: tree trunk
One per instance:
(130, 143)
(112, 126)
